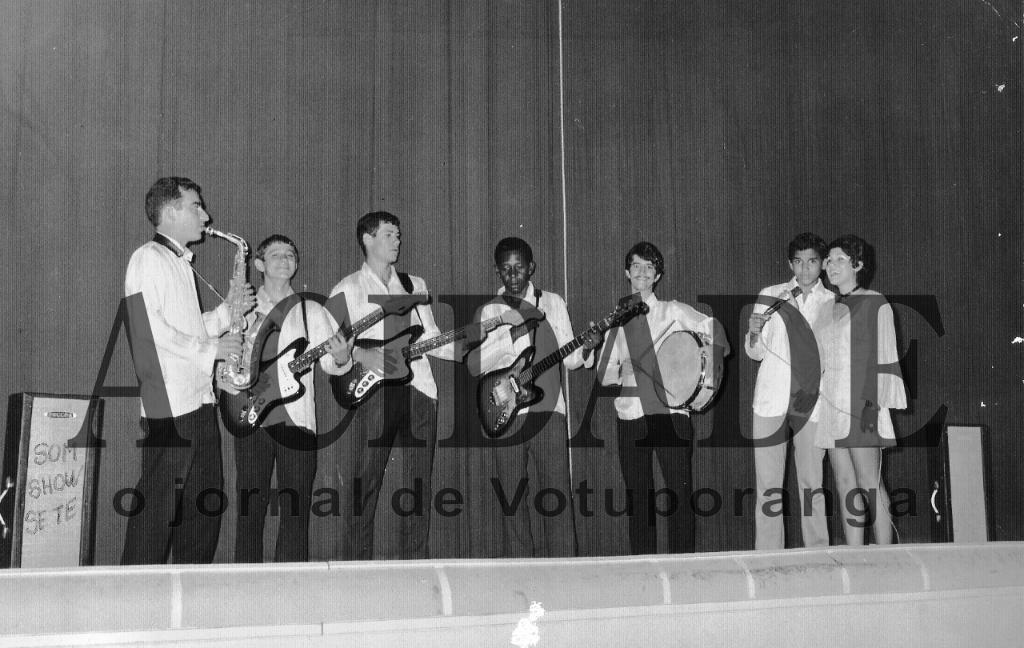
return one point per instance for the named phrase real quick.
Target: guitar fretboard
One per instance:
(527, 376)
(309, 357)
(562, 353)
(418, 349)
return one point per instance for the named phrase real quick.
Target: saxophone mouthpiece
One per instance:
(231, 238)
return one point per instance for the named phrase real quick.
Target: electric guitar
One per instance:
(359, 383)
(502, 393)
(283, 386)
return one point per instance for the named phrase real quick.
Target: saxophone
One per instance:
(237, 371)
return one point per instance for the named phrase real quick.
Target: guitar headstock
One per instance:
(622, 313)
(402, 304)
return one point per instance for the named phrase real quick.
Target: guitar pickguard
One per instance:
(365, 384)
(276, 385)
(359, 383)
(501, 395)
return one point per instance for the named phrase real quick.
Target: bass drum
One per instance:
(690, 375)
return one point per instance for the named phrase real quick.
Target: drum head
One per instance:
(679, 363)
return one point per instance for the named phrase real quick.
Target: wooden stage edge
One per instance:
(936, 595)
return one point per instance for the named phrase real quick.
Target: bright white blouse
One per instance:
(844, 387)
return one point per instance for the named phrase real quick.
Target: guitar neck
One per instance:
(529, 375)
(418, 349)
(317, 352)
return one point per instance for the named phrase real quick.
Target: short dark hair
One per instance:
(163, 191)
(261, 249)
(370, 223)
(512, 244)
(859, 251)
(647, 252)
(808, 241)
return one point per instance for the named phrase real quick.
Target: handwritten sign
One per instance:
(50, 484)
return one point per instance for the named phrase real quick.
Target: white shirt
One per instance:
(772, 390)
(184, 337)
(664, 317)
(358, 287)
(499, 351)
(302, 411)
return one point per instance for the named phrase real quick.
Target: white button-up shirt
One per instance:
(664, 317)
(184, 337)
(358, 287)
(499, 350)
(772, 390)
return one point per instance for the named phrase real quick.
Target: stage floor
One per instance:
(936, 595)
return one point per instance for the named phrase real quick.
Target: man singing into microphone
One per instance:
(785, 394)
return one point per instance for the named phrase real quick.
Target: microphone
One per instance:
(792, 294)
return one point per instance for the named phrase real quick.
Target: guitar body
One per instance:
(276, 386)
(248, 409)
(234, 410)
(360, 383)
(500, 395)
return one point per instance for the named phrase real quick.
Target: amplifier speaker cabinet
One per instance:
(959, 473)
(47, 489)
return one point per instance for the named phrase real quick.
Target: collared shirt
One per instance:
(503, 345)
(301, 411)
(663, 318)
(772, 350)
(359, 286)
(184, 337)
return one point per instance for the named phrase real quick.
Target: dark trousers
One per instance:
(529, 532)
(171, 482)
(294, 449)
(670, 436)
(399, 417)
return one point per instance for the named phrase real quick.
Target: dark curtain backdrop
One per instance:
(720, 130)
(717, 131)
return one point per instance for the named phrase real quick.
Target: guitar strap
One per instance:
(533, 324)
(305, 324)
(406, 281)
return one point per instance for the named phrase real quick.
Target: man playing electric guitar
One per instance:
(539, 432)
(403, 416)
(290, 429)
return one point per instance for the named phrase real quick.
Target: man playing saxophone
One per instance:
(174, 348)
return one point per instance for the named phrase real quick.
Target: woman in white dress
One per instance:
(861, 382)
